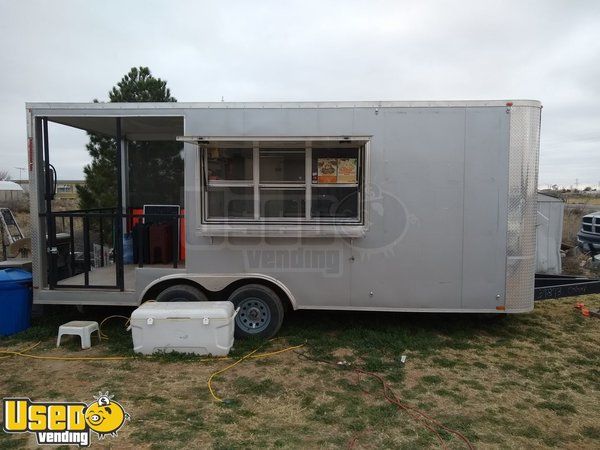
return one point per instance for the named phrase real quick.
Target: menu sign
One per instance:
(327, 170)
(336, 170)
(346, 170)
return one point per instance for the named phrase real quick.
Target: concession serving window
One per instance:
(311, 181)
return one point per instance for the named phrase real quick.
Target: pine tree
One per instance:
(149, 161)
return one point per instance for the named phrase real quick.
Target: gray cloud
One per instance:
(311, 50)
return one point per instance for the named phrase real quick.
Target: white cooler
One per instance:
(202, 328)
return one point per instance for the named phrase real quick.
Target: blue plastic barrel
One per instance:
(15, 301)
(128, 249)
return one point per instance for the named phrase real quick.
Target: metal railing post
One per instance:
(175, 241)
(140, 237)
(50, 229)
(72, 242)
(119, 216)
(101, 241)
(86, 250)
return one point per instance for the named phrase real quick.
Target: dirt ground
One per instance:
(526, 381)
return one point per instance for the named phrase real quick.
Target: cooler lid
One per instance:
(14, 276)
(176, 310)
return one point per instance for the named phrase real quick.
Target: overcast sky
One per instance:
(310, 50)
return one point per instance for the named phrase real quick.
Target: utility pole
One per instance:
(20, 169)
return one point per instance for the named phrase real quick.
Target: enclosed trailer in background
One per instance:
(549, 234)
(379, 206)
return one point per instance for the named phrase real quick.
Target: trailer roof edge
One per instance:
(244, 105)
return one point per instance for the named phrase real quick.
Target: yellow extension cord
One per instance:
(19, 353)
(251, 355)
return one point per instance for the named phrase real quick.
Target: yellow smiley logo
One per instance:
(105, 416)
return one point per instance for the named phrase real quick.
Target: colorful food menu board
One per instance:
(336, 170)
(346, 170)
(327, 170)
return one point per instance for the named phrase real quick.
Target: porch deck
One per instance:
(106, 276)
(103, 276)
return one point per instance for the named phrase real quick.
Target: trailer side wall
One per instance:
(437, 209)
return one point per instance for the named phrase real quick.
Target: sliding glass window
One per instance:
(288, 181)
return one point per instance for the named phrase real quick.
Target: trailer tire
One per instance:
(261, 311)
(182, 293)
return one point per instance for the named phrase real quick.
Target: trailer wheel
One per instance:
(261, 311)
(182, 293)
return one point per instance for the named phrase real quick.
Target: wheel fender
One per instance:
(218, 282)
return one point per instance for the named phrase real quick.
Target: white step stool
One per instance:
(81, 328)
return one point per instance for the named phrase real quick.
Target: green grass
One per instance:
(591, 432)
(249, 386)
(372, 336)
(560, 408)
(431, 379)
(445, 362)
(9, 442)
(543, 366)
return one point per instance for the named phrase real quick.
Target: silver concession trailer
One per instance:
(378, 206)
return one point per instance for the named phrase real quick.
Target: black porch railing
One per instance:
(118, 239)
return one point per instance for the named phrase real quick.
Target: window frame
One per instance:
(259, 226)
